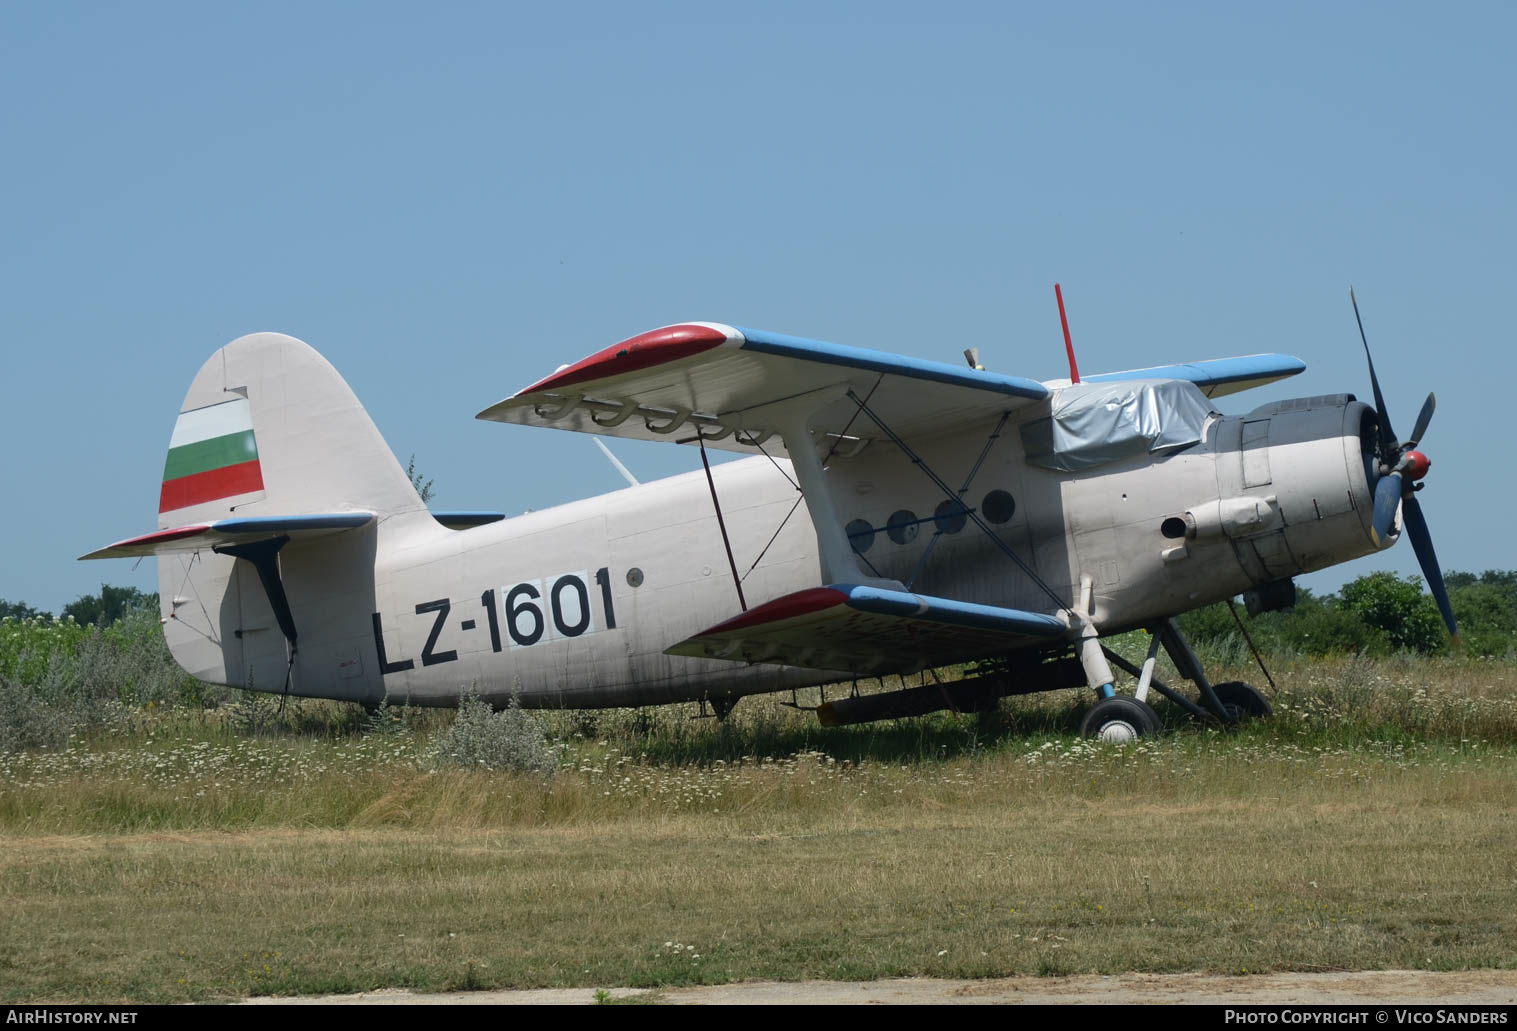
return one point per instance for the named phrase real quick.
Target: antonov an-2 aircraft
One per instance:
(896, 515)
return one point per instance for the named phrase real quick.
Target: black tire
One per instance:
(1120, 719)
(1243, 702)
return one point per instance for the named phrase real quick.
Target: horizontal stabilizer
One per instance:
(868, 630)
(233, 531)
(1220, 375)
(668, 383)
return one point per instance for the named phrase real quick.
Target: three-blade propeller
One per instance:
(1401, 466)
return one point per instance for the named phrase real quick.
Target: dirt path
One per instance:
(1474, 987)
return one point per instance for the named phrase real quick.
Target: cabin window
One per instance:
(950, 517)
(999, 506)
(903, 526)
(860, 535)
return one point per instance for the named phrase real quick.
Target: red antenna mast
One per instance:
(1069, 346)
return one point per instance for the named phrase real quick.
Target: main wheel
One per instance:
(1120, 719)
(1243, 702)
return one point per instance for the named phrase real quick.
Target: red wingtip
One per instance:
(801, 603)
(173, 533)
(1069, 345)
(640, 352)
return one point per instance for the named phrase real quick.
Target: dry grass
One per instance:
(1051, 884)
(1368, 826)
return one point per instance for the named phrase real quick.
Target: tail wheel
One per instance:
(1120, 719)
(1243, 702)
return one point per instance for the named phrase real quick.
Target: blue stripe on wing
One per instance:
(1239, 373)
(955, 613)
(882, 361)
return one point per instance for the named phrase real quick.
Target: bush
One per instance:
(1373, 615)
(1314, 627)
(479, 737)
(1489, 644)
(1399, 609)
(1319, 629)
(1485, 606)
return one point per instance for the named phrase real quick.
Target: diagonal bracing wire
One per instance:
(834, 448)
(776, 536)
(973, 472)
(916, 460)
(752, 441)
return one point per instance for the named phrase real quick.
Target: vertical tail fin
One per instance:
(269, 428)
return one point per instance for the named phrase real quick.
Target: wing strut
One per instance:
(948, 492)
(721, 523)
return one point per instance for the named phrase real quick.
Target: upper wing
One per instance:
(666, 383)
(233, 531)
(868, 630)
(1220, 375)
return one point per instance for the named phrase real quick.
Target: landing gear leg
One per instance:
(1184, 658)
(1114, 717)
(1120, 718)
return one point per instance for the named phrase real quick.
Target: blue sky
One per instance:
(450, 200)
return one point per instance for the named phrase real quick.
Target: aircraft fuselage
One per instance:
(575, 605)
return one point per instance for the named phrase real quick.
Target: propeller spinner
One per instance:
(1401, 467)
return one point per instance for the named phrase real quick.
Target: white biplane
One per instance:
(895, 515)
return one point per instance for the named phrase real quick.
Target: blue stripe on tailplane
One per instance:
(954, 613)
(1218, 376)
(894, 364)
(240, 530)
(293, 523)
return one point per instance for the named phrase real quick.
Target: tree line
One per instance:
(1377, 614)
(102, 610)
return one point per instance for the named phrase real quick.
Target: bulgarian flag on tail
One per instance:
(212, 455)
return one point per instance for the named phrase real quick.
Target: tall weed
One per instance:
(59, 679)
(512, 740)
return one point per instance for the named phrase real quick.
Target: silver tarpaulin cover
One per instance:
(1096, 423)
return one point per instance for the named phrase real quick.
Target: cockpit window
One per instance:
(1096, 423)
